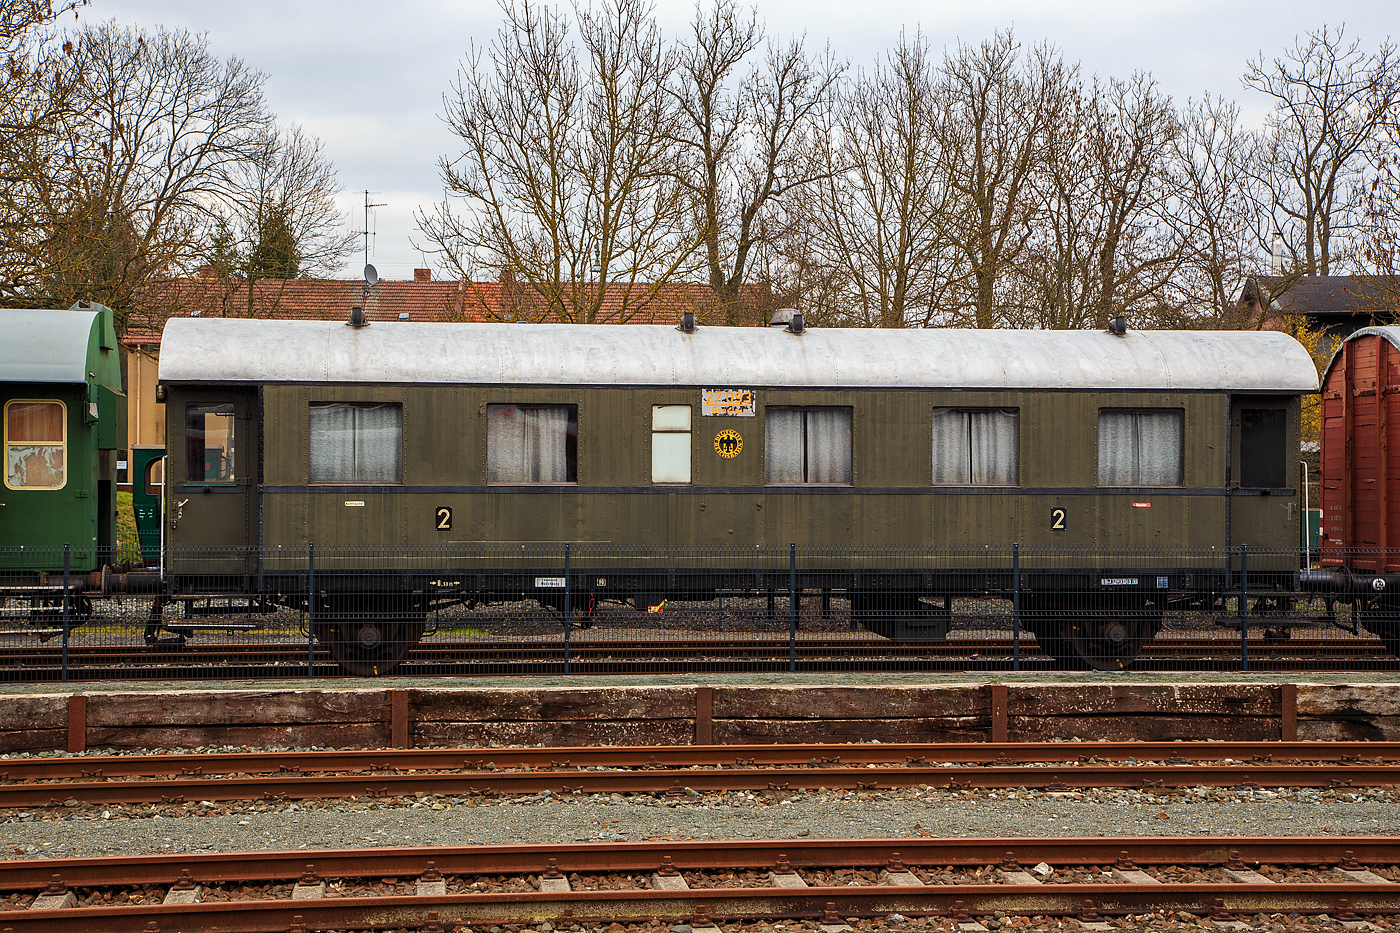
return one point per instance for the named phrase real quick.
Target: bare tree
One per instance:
(276, 218)
(746, 139)
(1328, 99)
(1374, 256)
(998, 111)
(873, 221)
(1101, 246)
(159, 124)
(1211, 213)
(36, 92)
(567, 169)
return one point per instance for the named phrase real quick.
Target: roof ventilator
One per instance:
(790, 319)
(403, 315)
(1118, 327)
(357, 317)
(687, 324)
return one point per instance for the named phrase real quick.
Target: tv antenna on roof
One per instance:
(366, 231)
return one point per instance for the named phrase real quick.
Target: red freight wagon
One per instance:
(1361, 481)
(1360, 475)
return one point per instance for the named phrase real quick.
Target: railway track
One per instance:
(577, 886)
(687, 771)
(170, 658)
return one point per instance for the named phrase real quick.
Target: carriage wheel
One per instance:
(369, 647)
(1111, 642)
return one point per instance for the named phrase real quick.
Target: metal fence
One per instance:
(234, 613)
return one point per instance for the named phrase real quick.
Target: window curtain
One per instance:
(992, 447)
(782, 445)
(974, 447)
(527, 445)
(810, 445)
(828, 445)
(35, 456)
(1140, 448)
(952, 465)
(356, 443)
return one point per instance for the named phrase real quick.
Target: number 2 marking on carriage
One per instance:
(444, 518)
(1057, 519)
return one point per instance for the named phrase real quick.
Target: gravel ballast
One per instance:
(78, 830)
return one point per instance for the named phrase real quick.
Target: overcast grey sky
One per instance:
(368, 78)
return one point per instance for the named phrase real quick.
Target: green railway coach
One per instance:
(365, 441)
(64, 418)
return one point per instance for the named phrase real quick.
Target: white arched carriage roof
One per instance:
(262, 351)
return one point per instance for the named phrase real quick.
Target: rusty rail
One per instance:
(681, 783)
(1341, 896)
(684, 756)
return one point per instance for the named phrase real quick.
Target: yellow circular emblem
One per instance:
(728, 444)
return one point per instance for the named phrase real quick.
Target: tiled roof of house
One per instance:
(1327, 294)
(422, 299)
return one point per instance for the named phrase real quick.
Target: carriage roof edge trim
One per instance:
(268, 351)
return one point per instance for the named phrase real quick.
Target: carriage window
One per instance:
(532, 443)
(1263, 447)
(974, 448)
(209, 443)
(670, 443)
(35, 445)
(353, 442)
(807, 445)
(1140, 448)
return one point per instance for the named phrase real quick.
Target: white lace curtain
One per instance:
(1140, 448)
(528, 444)
(355, 443)
(974, 448)
(808, 445)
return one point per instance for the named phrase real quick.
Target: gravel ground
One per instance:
(79, 830)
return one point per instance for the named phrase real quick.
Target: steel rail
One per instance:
(719, 905)
(677, 783)
(1244, 754)
(583, 648)
(646, 857)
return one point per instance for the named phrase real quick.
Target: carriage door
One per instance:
(1264, 479)
(211, 482)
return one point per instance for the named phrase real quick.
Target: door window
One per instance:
(209, 443)
(1263, 447)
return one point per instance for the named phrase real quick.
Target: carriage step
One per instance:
(212, 626)
(41, 632)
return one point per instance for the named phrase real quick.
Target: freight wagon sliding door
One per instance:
(211, 472)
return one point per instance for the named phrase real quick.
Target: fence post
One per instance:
(792, 608)
(65, 610)
(1016, 606)
(311, 610)
(1244, 607)
(568, 609)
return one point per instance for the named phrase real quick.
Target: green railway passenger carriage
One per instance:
(287, 434)
(64, 423)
